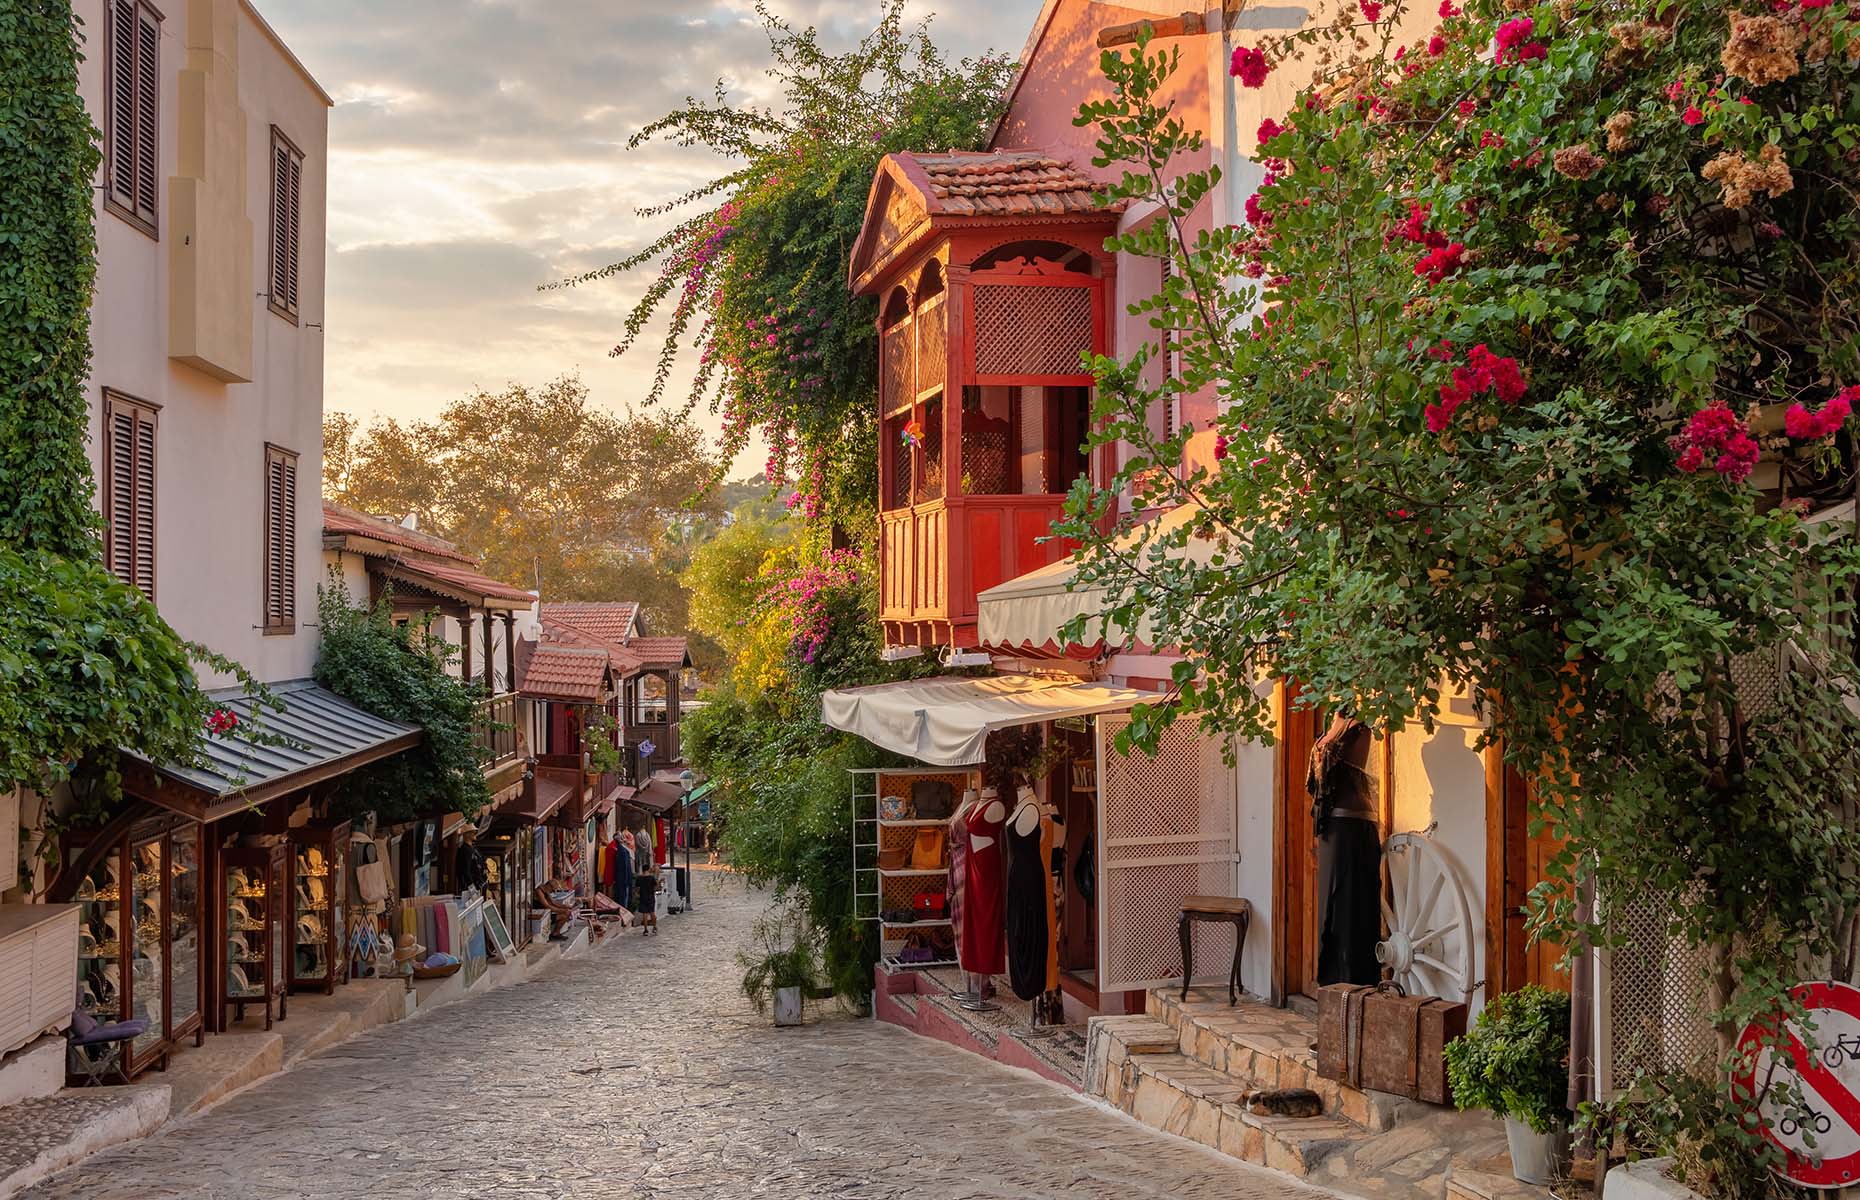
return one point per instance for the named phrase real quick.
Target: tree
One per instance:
(727, 577)
(1499, 349)
(754, 276)
(552, 492)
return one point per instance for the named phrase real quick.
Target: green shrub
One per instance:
(1515, 1060)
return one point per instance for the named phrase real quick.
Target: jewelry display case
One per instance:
(319, 869)
(255, 896)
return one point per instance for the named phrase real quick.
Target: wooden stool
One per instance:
(1231, 909)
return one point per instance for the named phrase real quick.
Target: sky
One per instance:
(478, 149)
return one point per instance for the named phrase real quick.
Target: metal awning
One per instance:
(1027, 612)
(537, 805)
(946, 721)
(320, 736)
(658, 797)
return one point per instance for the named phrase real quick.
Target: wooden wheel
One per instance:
(1428, 946)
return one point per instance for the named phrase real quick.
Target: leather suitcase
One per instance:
(1381, 1039)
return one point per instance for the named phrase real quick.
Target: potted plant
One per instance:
(784, 967)
(1515, 1064)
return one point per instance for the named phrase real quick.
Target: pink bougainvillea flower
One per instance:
(1372, 10)
(1441, 262)
(1675, 89)
(1437, 46)
(1249, 66)
(1530, 52)
(1814, 3)
(1692, 115)
(1220, 446)
(1717, 435)
(1513, 33)
(1256, 213)
(1448, 10)
(1269, 129)
(1804, 425)
(1691, 459)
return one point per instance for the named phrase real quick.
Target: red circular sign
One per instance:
(1827, 1078)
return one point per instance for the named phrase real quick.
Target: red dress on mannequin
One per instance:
(981, 949)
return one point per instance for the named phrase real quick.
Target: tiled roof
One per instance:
(609, 619)
(660, 653)
(623, 660)
(1003, 183)
(557, 672)
(341, 520)
(460, 580)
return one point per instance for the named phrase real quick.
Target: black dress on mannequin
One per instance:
(1028, 891)
(1343, 815)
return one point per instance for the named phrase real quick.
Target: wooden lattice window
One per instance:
(132, 112)
(932, 322)
(287, 178)
(930, 479)
(280, 540)
(898, 492)
(1032, 330)
(128, 493)
(990, 450)
(1170, 415)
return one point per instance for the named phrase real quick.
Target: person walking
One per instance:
(645, 883)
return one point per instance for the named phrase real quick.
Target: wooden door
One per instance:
(1298, 854)
(1517, 860)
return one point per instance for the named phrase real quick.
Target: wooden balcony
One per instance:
(494, 728)
(936, 556)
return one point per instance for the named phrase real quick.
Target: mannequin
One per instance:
(1032, 939)
(1344, 820)
(980, 950)
(958, 842)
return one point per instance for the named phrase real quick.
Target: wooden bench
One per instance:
(1230, 909)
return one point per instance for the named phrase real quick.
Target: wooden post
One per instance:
(490, 658)
(510, 650)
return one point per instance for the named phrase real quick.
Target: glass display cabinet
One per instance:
(255, 894)
(139, 939)
(319, 870)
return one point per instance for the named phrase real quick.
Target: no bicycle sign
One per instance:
(1825, 1080)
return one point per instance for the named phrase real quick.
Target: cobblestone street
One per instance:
(640, 1070)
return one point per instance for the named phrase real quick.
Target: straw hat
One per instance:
(406, 949)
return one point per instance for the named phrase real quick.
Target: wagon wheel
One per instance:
(1429, 943)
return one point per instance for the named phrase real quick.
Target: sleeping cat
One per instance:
(1283, 1102)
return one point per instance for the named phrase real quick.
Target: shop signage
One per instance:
(703, 807)
(1824, 1081)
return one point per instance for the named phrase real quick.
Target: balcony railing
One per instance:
(494, 728)
(936, 557)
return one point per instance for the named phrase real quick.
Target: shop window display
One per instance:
(318, 870)
(256, 895)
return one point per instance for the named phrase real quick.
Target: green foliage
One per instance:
(86, 664)
(399, 672)
(784, 956)
(1514, 1062)
(598, 739)
(757, 280)
(1467, 463)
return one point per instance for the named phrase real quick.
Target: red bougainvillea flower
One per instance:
(1675, 89)
(1448, 10)
(1436, 46)
(1414, 229)
(1249, 66)
(1488, 138)
(222, 721)
(1441, 262)
(1484, 372)
(1468, 108)
(1256, 213)
(1220, 446)
(1692, 115)
(1804, 425)
(1814, 3)
(1269, 129)
(1372, 10)
(1716, 436)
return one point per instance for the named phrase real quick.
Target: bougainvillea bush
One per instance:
(1536, 355)
(753, 275)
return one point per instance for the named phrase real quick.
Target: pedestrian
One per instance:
(645, 883)
(555, 895)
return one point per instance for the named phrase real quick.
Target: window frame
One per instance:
(279, 618)
(289, 307)
(129, 210)
(140, 410)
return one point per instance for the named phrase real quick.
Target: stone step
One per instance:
(1179, 1095)
(1110, 1040)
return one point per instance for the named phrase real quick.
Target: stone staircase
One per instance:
(1185, 1067)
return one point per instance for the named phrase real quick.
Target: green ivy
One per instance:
(399, 672)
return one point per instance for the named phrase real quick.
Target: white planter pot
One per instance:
(1537, 1157)
(788, 1006)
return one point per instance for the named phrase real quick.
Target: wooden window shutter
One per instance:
(133, 121)
(280, 540)
(1169, 365)
(129, 490)
(287, 178)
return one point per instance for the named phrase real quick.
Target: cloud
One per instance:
(478, 149)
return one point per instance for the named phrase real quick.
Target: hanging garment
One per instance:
(957, 840)
(1032, 952)
(1349, 884)
(981, 951)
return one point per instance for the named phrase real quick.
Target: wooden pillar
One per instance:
(490, 657)
(464, 619)
(510, 651)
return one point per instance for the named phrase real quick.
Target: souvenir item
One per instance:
(927, 849)
(1375, 1036)
(893, 808)
(932, 799)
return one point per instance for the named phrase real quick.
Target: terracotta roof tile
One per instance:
(458, 579)
(610, 619)
(556, 632)
(660, 653)
(338, 519)
(1005, 183)
(556, 672)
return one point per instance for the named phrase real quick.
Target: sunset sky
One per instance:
(478, 149)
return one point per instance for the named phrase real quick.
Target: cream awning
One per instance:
(1028, 611)
(946, 721)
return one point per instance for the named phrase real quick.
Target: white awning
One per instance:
(1028, 611)
(946, 721)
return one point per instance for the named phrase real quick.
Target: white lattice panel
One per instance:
(1165, 832)
(1652, 1003)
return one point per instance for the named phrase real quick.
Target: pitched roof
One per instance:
(623, 661)
(994, 183)
(555, 672)
(473, 586)
(609, 619)
(661, 653)
(338, 519)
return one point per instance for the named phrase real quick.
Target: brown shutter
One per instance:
(287, 173)
(121, 94)
(128, 498)
(280, 540)
(148, 111)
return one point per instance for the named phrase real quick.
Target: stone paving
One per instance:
(639, 1070)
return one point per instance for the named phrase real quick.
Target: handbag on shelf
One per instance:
(932, 799)
(894, 858)
(930, 906)
(371, 882)
(927, 849)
